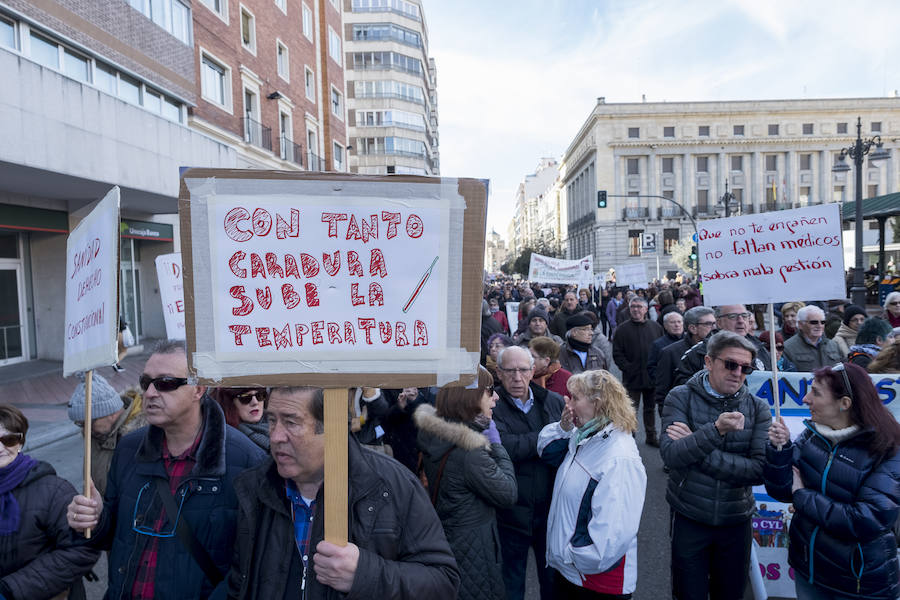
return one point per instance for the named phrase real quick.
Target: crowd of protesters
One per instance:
(215, 493)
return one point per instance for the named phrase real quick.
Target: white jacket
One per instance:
(596, 509)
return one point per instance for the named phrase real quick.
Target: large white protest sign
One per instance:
(512, 315)
(770, 257)
(545, 269)
(632, 274)
(291, 276)
(92, 285)
(771, 523)
(171, 292)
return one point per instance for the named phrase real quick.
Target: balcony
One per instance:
(257, 134)
(314, 163)
(704, 211)
(747, 209)
(669, 212)
(636, 212)
(773, 206)
(290, 151)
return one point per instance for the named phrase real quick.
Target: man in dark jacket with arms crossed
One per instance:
(713, 441)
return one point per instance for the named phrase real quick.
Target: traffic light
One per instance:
(693, 257)
(601, 198)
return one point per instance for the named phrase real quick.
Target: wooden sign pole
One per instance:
(336, 488)
(88, 385)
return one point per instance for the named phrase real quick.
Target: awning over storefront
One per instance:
(27, 218)
(146, 230)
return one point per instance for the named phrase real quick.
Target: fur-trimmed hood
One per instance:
(449, 432)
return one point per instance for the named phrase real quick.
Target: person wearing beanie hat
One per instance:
(835, 316)
(112, 416)
(536, 325)
(846, 333)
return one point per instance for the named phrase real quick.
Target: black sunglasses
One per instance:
(731, 366)
(165, 383)
(246, 398)
(11, 439)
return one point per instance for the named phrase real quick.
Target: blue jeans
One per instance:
(809, 591)
(514, 548)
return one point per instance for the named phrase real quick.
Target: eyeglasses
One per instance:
(138, 524)
(813, 322)
(779, 346)
(165, 383)
(246, 398)
(732, 366)
(514, 370)
(11, 439)
(736, 316)
(839, 368)
(706, 324)
(894, 303)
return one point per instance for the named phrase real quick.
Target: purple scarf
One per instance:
(11, 476)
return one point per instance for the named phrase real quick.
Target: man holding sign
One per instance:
(397, 545)
(169, 487)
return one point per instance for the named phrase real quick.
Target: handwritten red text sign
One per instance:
(301, 278)
(773, 257)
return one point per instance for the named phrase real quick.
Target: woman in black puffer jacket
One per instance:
(843, 476)
(39, 557)
(469, 474)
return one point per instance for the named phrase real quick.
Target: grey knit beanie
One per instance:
(104, 400)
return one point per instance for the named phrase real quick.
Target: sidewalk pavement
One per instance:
(40, 391)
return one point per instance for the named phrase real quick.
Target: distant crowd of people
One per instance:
(214, 493)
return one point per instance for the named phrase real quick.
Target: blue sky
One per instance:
(517, 79)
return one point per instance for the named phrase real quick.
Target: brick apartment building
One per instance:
(271, 81)
(95, 94)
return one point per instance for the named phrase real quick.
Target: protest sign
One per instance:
(331, 280)
(634, 274)
(766, 258)
(92, 286)
(171, 292)
(771, 522)
(545, 269)
(512, 315)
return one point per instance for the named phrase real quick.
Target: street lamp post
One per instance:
(857, 152)
(726, 199)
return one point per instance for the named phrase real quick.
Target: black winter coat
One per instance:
(666, 367)
(711, 476)
(477, 477)
(631, 349)
(534, 477)
(840, 533)
(43, 558)
(403, 553)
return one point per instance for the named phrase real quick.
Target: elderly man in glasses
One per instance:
(713, 442)
(810, 349)
(729, 317)
(168, 517)
(521, 412)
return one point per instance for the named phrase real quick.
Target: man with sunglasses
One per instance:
(810, 349)
(729, 317)
(713, 442)
(168, 518)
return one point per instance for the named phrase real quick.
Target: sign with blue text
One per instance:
(766, 258)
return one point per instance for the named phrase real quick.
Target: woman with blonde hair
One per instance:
(598, 498)
(789, 312)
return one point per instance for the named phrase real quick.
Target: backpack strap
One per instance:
(437, 480)
(186, 535)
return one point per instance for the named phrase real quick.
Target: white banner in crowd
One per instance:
(771, 522)
(558, 270)
(92, 287)
(512, 315)
(765, 258)
(171, 292)
(634, 274)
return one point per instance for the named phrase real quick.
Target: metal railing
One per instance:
(669, 212)
(635, 212)
(290, 151)
(703, 211)
(314, 163)
(773, 206)
(257, 134)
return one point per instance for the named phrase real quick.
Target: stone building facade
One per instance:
(772, 155)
